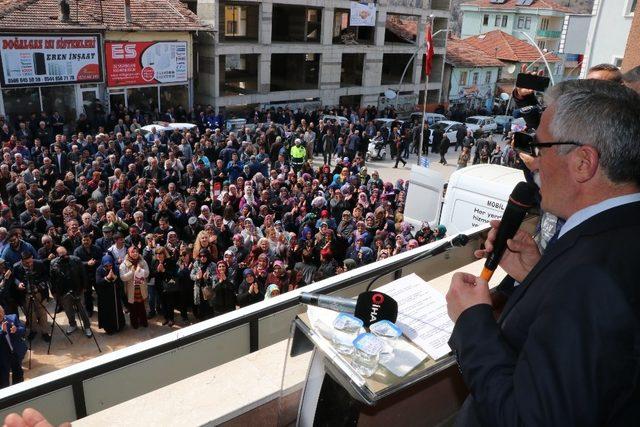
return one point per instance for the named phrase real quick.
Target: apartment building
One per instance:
(313, 52)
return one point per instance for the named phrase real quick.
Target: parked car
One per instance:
(449, 128)
(387, 123)
(488, 124)
(430, 118)
(167, 127)
(343, 121)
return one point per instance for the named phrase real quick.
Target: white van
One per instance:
(474, 196)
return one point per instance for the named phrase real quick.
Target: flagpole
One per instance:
(424, 111)
(426, 92)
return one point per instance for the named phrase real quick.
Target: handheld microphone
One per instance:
(521, 199)
(370, 306)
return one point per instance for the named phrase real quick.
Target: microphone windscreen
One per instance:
(374, 306)
(522, 198)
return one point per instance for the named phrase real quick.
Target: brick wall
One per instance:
(632, 53)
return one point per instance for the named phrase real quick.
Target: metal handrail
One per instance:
(40, 386)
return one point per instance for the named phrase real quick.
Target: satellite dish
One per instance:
(390, 94)
(511, 69)
(504, 96)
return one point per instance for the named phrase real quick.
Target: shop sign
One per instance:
(145, 63)
(39, 60)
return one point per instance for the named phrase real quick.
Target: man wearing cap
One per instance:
(105, 242)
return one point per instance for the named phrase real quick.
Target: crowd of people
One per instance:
(198, 221)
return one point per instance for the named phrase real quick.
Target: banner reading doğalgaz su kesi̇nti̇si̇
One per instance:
(362, 14)
(143, 63)
(39, 60)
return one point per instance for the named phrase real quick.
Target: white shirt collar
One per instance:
(590, 211)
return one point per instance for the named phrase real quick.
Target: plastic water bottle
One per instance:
(345, 329)
(366, 354)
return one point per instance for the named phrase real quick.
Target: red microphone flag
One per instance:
(429, 59)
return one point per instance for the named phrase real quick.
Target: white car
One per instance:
(449, 127)
(167, 127)
(488, 124)
(343, 121)
(430, 118)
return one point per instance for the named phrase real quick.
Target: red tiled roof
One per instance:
(403, 28)
(146, 15)
(462, 54)
(506, 47)
(511, 4)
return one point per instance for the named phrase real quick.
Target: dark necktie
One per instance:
(554, 238)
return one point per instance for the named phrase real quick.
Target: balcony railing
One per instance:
(549, 34)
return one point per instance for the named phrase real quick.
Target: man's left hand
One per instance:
(466, 290)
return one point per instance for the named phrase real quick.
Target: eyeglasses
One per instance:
(536, 146)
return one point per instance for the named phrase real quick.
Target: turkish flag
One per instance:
(429, 54)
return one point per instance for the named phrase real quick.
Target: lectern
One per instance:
(334, 394)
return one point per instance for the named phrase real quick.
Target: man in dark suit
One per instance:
(60, 162)
(12, 349)
(566, 347)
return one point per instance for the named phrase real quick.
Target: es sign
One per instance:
(141, 63)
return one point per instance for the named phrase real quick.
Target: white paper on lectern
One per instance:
(422, 314)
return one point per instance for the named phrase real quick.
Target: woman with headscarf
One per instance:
(164, 270)
(363, 200)
(250, 233)
(440, 232)
(224, 299)
(280, 277)
(185, 284)
(272, 291)
(346, 226)
(134, 272)
(201, 273)
(110, 291)
(249, 291)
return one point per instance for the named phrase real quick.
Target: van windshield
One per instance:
(473, 121)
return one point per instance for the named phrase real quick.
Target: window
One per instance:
(617, 61)
(351, 69)
(474, 80)
(295, 24)
(631, 7)
(173, 96)
(485, 20)
(487, 77)
(61, 99)
(544, 24)
(527, 23)
(463, 78)
(542, 44)
(21, 102)
(505, 20)
(345, 34)
(498, 20)
(238, 22)
(520, 23)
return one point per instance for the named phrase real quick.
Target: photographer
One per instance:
(68, 278)
(12, 349)
(32, 290)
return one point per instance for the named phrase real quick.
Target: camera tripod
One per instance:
(76, 309)
(29, 312)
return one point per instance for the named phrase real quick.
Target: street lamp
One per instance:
(542, 56)
(406, 67)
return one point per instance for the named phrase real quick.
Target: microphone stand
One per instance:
(458, 241)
